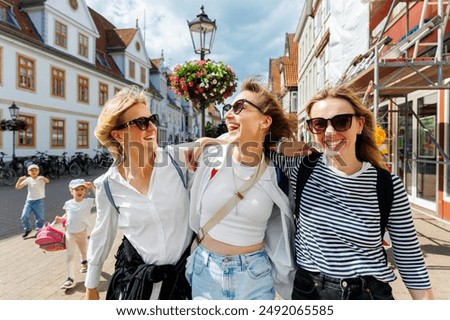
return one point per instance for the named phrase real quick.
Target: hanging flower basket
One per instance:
(203, 82)
(13, 125)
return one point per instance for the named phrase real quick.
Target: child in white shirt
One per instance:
(35, 198)
(76, 221)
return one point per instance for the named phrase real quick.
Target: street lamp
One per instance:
(14, 112)
(203, 31)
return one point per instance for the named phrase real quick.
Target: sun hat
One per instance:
(76, 183)
(32, 166)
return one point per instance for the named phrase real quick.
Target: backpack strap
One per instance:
(385, 194)
(282, 181)
(304, 171)
(109, 195)
(108, 189)
(177, 167)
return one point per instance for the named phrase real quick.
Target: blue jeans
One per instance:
(315, 286)
(240, 277)
(36, 207)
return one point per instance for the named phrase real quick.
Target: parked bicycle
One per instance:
(63, 163)
(81, 162)
(48, 164)
(102, 159)
(7, 175)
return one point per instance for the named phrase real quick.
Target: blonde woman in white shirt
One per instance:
(150, 207)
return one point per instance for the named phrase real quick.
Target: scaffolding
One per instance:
(393, 70)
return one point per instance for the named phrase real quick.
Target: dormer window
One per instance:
(7, 15)
(60, 34)
(83, 45)
(102, 60)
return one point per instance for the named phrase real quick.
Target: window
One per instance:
(143, 75)
(7, 15)
(132, 71)
(57, 133)
(27, 138)
(60, 34)
(102, 60)
(83, 134)
(26, 73)
(293, 101)
(83, 89)
(83, 45)
(58, 82)
(1, 132)
(103, 93)
(116, 90)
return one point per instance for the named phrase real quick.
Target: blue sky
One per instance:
(249, 32)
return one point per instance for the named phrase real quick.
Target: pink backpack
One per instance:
(50, 239)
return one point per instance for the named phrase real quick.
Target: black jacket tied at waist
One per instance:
(133, 279)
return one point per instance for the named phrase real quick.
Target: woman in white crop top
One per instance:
(247, 255)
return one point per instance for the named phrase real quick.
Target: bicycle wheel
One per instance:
(74, 170)
(61, 168)
(53, 172)
(9, 176)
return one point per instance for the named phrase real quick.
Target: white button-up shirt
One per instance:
(156, 224)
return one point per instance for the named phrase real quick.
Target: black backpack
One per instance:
(385, 188)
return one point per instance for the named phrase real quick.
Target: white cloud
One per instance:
(249, 33)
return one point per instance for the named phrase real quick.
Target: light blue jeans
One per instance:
(241, 277)
(36, 207)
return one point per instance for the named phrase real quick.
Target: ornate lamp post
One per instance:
(14, 112)
(203, 31)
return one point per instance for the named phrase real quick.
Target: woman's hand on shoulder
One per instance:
(294, 148)
(191, 155)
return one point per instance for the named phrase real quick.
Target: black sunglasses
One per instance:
(238, 106)
(340, 122)
(142, 122)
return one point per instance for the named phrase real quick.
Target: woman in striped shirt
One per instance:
(339, 251)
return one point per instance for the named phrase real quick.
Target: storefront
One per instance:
(418, 145)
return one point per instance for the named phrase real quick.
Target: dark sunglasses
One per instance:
(238, 106)
(340, 122)
(142, 123)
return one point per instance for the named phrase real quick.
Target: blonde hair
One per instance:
(283, 125)
(111, 116)
(366, 147)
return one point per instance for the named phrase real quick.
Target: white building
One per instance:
(330, 35)
(60, 61)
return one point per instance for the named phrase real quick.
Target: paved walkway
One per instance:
(27, 273)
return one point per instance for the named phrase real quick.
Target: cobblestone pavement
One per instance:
(27, 273)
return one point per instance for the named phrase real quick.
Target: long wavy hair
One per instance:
(366, 147)
(283, 125)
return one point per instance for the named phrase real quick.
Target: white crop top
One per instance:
(245, 224)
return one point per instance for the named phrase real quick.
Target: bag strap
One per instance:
(108, 189)
(177, 167)
(304, 171)
(385, 194)
(109, 195)
(231, 203)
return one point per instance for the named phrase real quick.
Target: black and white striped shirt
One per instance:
(338, 232)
